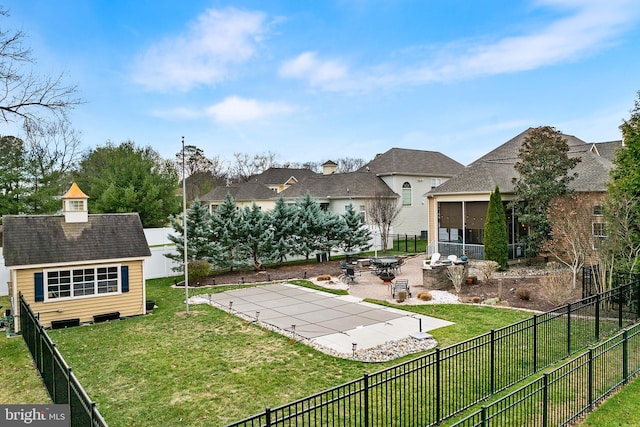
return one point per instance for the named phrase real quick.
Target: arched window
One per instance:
(406, 194)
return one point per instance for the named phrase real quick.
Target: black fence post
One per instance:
(366, 399)
(535, 343)
(597, 317)
(625, 356)
(406, 243)
(590, 385)
(415, 243)
(492, 362)
(267, 416)
(620, 299)
(636, 284)
(568, 328)
(438, 391)
(545, 404)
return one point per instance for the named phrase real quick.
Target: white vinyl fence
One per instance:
(156, 266)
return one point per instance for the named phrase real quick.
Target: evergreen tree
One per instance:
(226, 232)
(281, 224)
(623, 207)
(332, 231)
(199, 247)
(496, 243)
(257, 241)
(543, 169)
(309, 224)
(356, 236)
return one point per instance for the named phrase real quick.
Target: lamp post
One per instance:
(184, 232)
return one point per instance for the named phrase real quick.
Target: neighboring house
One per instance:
(75, 266)
(399, 173)
(260, 189)
(458, 207)
(411, 174)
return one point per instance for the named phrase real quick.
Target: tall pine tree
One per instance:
(356, 236)
(309, 224)
(496, 243)
(226, 232)
(257, 238)
(200, 246)
(281, 223)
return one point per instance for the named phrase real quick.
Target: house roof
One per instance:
(496, 168)
(280, 176)
(48, 239)
(340, 185)
(243, 192)
(403, 161)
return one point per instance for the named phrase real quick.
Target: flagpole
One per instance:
(184, 228)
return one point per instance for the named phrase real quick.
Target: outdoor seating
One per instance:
(400, 285)
(435, 259)
(350, 275)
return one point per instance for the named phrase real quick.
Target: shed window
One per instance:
(83, 282)
(406, 194)
(597, 210)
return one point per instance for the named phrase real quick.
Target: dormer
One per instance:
(329, 167)
(74, 205)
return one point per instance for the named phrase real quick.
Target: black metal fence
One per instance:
(441, 384)
(61, 383)
(569, 391)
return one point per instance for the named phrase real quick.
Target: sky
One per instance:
(311, 81)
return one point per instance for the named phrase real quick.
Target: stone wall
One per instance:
(434, 277)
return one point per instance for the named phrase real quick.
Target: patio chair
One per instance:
(400, 285)
(435, 258)
(452, 258)
(350, 275)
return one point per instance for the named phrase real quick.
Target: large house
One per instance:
(402, 174)
(75, 267)
(458, 207)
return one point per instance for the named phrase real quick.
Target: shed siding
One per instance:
(128, 303)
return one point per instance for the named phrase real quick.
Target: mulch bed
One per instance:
(511, 294)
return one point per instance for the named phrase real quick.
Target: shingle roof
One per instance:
(403, 161)
(340, 185)
(244, 192)
(496, 168)
(280, 176)
(48, 239)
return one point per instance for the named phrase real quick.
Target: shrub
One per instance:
(455, 273)
(425, 296)
(198, 270)
(556, 287)
(487, 269)
(523, 294)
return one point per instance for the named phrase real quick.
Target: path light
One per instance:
(268, 277)
(305, 275)
(257, 315)
(293, 330)
(354, 346)
(230, 305)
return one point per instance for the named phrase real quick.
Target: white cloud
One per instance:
(234, 109)
(308, 67)
(584, 28)
(204, 54)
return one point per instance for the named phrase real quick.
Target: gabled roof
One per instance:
(496, 168)
(281, 176)
(243, 192)
(340, 185)
(403, 161)
(48, 239)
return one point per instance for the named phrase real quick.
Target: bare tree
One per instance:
(52, 151)
(246, 166)
(381, 212)
(23, 94)
(350, 164)
(571, 232)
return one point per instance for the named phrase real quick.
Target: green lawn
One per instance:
(19, 379)
(210, 368)
(619, 410)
